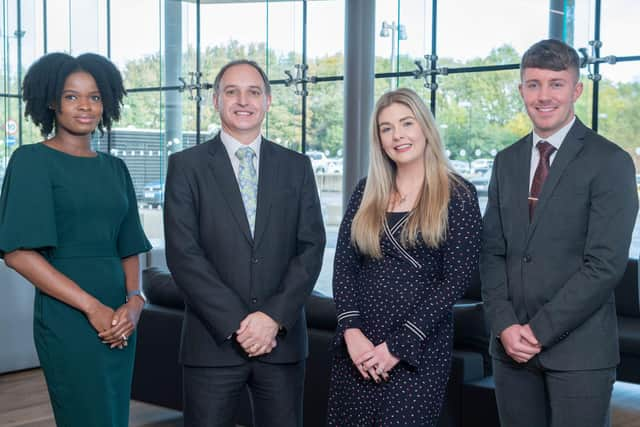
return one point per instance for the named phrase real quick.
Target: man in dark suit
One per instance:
(557, 229)
(244, 242)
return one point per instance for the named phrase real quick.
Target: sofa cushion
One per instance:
(160, 289)
(321, 312)
(470, 329)
(629, 333)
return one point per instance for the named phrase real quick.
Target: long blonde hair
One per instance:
(430, 215)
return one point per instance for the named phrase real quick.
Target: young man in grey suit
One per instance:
(244, 242)
(557, 229)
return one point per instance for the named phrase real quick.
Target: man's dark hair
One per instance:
(254, 64)
(551, 55)
(43, 84)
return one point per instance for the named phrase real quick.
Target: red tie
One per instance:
(540, 176)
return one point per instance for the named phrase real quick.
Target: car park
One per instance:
(479, 164)
(480, 180)
(334, 166)
(153, 194)
(319, 161)
(462, 167)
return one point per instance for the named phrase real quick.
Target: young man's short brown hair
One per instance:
(551, 55)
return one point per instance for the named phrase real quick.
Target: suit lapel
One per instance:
(228, 185)
(570, 147)
(521, 175)
(266, 181)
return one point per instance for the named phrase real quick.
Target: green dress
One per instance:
(81, 214)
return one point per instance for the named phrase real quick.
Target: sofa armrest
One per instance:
(157, 375)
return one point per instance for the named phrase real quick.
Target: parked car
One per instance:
(319, 161)
(334, 165)
(480, 164)
(481, 180)
(153, 194)
(461, 166)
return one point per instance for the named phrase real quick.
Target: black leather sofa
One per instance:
(472, 333)
(628, 309)
(478, 395)
(158, 377)
(470, 395)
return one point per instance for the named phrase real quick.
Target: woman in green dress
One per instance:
(69, 224)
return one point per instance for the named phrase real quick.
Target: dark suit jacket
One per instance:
(223, 272)
(558, 272)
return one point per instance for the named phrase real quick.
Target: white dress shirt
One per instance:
(555, 140)
(231, 145)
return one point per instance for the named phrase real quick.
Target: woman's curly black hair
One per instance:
(44, 81)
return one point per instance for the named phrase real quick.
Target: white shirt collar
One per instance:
(232, 144)
(557, 138)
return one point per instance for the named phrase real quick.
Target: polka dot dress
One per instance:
(404, 299)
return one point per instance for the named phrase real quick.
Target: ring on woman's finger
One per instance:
(124, 337)
(380, 370)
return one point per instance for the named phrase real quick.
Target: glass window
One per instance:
(283, 124)
(136, 46)
(584, 105)
(483, 114)
(579, 24)
(415, 32)
(325, 125)
(10, 137)
(58, 26)
(76, 26)
(619, 33)
(153, 42)
(139, 140)
(478, 114)
(619, 118)
(485, 22)
(32, 32)
(325, 48)
(222, 36)
(184, 59)
(283, 36)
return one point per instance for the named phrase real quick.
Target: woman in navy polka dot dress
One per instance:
(407, 245)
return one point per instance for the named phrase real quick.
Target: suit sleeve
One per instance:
(217, 306)
(493, 263)
(459, 259)
(303, 269)
(346, 267)
(612, 212)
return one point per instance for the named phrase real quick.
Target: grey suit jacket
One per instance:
(558, 271)
(225, 273)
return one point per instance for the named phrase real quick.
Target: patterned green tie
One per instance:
(248, 181)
